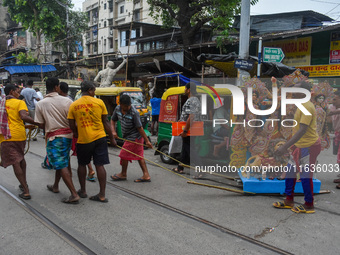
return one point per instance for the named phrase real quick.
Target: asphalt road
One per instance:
(129, 224)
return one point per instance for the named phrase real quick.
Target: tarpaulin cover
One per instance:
(279, 70)
(183, 79)
(29, 69)
(225, 63)
(165, 67)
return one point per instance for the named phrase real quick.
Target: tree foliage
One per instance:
(25, 58)
(73, 32)
(45, 17)
(191, 15)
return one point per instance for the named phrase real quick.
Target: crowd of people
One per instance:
(83, 126)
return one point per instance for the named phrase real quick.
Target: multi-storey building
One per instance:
(109, 25)
(15, 39)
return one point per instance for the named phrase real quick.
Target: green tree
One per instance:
(42, 17)
(25, 58)
(73, 32)
(191, 15)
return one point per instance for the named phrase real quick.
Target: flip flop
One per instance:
(93, 179)
(97, 198)
(282, 205)
(302, 209)
(116, 178)
(50, 188)
(22, 188)
(82, 195)
(44, 166)
(176, 170)
(142, 180)
(68, 201)
(22, 195)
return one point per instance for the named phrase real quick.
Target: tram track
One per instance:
(271, 195)
(201, 220)
(192, 216)
(68, 238)
(188, 215)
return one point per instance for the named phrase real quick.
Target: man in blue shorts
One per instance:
(52, 113)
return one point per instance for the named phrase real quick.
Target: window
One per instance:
(121, 9)
(105, 6)
(159, 45)
(104, 23)
(110, 22)
(133, 34)
(104, 42)
(146, 46)
(136, 15)
(123, 38)
(111, 6)
(111, 43)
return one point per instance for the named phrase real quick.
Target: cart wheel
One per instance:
(165, 159)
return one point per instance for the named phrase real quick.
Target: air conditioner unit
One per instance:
(111, 32)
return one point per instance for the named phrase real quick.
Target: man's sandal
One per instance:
(302, 209)
(176, 170)
(282, 205)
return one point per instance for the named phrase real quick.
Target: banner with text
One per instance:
(334, 55)
(297, 51)
(322, 70)
(168, 112)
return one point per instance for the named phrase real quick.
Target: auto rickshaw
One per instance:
(171, 107)
(111, 96)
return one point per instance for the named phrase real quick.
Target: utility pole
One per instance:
(103, 59)
(67, 28)
(244, 39)
(259, 58)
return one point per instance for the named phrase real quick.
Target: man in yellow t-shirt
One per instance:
(88, 120)
(13, 148)
(305, 146)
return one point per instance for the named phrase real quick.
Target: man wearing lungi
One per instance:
(13, 135)
(336, 126)
(88, 121)
(305, 146)
(51, 113)
(132, 130)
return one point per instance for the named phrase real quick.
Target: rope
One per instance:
(180, 175)
(190, 181)
(31, 129)
(159, 152)
(215, 174)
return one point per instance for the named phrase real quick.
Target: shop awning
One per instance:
(14, 69)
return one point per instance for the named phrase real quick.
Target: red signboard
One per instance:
(168, 112)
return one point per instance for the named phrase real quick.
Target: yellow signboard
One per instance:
(297, 51)
(322, 71)
(335, 45)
